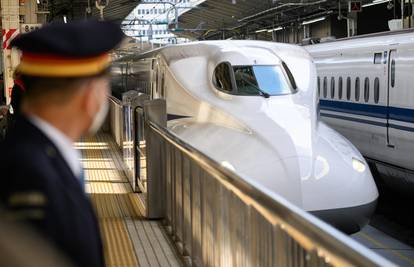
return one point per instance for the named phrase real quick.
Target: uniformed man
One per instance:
(64, 68)
(17, 96)
(2, 98)
(15, 103)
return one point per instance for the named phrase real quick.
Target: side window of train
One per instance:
(325, 87)
(319, 86)
(340, 84)
(124, 75)
(156, 81)
(332, 87)
(376, 90)
(393, 73)
(131, 81)
(366, 89)
(290, 76)
(162, 93)
(377, 58)
(222, 77)
(348, 88)
(357, 89)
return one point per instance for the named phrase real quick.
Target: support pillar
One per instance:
(352, 21)
(10, 29)
(306, 31)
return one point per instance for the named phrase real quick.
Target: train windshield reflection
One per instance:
(259, 80)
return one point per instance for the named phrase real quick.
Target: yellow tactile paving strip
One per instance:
(129, 239)
(118, 247)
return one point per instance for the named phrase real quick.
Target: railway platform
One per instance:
(129, 238)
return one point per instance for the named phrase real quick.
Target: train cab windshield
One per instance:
(252, 80)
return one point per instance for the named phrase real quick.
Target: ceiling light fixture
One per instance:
(306, 22)
(375, 2)
(275, 29)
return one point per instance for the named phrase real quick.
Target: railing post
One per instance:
(115, 118)
(155, 111)
(130, 101)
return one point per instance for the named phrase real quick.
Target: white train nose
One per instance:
(340, 192)
(337, 184)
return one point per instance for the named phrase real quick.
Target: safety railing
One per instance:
(218, 218)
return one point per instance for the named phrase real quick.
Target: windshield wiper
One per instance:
(262, 93)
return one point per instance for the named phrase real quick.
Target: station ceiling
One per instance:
(216, 19)
(116, 10)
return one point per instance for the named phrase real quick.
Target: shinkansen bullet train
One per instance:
(366, 92)
(252, 106)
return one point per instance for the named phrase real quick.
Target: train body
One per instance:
(366, 93)
(252, 106)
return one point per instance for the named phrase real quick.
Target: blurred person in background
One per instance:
(17, 94)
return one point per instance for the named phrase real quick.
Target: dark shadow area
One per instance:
(375, 18)
(394, 214)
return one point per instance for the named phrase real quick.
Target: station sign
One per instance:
(355, 6)
(25, 28)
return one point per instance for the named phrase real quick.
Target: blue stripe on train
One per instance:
(354, 108)
(402, 114)
(375, 111)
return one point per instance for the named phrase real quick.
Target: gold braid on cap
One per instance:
(55, 66)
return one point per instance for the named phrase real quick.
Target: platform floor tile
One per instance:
(129, 239)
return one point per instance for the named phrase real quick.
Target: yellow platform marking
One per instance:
(118, 246)
(129, 239)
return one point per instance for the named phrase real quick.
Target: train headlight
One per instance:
(358, 165)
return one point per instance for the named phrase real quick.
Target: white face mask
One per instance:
(99, 118)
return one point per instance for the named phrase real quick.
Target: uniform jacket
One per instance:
(16, 98)
(39, 188)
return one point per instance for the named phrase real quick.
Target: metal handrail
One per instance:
(115, 100)
(324, 245)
